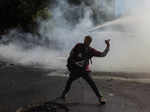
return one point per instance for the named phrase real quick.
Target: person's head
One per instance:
(87, 40)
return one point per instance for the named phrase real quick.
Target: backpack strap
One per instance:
(91, 61)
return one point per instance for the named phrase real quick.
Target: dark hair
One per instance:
(88, 37)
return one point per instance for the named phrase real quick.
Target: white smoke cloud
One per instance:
(129, 40)
(58, 30)
(61, 30)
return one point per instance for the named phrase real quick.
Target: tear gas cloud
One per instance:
(129, 39)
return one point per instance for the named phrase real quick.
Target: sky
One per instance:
(124, 5)
(120, 8)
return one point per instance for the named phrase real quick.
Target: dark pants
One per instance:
(86, 76)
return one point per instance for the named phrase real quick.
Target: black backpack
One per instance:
(86, 57)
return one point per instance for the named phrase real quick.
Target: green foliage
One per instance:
(30, 10)
(23, 13)
(43, 13)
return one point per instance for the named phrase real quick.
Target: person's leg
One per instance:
(72, 78)
(88, 78)
(92, 84)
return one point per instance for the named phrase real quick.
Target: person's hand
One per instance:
(107, 42)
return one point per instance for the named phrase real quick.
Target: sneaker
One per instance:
(102, 101)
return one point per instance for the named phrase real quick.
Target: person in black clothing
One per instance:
(78, 65)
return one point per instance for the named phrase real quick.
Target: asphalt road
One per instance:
(21, 86)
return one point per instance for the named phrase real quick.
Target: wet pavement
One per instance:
(21, 86)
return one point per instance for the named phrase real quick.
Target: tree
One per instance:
(22, 13)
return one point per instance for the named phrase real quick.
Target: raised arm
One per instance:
(104, 53)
